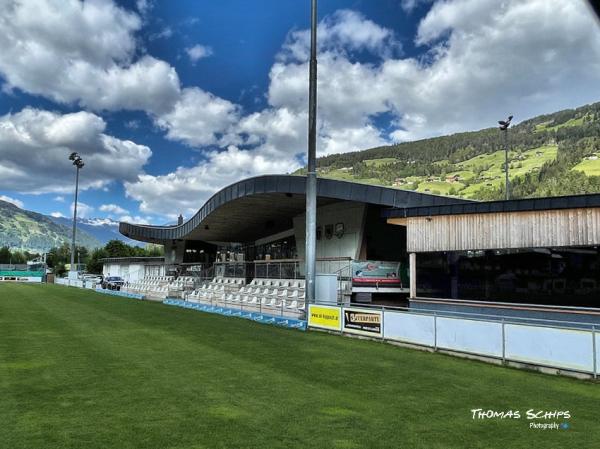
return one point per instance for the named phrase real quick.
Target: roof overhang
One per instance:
(489, 207)
(140, 260)
(265, 205)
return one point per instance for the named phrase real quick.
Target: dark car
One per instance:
(113, 283)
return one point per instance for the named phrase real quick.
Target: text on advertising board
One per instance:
(325, 317)
(364, 322)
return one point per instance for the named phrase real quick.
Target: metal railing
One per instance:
(344, 278)
(277, 269)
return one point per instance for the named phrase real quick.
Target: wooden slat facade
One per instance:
(502, 230)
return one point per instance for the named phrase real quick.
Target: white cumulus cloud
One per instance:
(82, 52)
(113, 209)
(14, 201)
(199, 118)
(198, 52)
(35, 145)
(83, 210)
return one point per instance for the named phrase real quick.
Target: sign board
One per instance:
(376, 273)
(326, 288)
(324, 317)
(363, 322)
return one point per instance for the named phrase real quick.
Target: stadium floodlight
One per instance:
(504, 124)
(311, 175)
(78, 163)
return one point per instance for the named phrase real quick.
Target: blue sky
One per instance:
(169, 101)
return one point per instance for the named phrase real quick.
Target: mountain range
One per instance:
(102, 229)
(26, 230)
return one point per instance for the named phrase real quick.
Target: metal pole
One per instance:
(434, 331)
(503, 342)
(594, 356)
(507, 183)
(311, 176)
(74, 221)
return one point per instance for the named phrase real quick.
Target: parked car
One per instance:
(96, 278)
(113, 283)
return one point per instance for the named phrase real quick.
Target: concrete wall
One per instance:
(111, 269)
(132, 272)
(349, 213)
(174, 252)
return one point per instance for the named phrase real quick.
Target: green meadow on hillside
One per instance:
(552, 154)
(485, 170)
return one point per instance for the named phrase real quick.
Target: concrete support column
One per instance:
(412, 267)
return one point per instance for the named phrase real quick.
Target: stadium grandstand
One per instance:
(244, 248)
(32, 271)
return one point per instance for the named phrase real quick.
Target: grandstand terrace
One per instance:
(245, 248)
(22, 272)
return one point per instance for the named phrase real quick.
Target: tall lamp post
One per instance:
(504, 124)
(311, 176)
(78, 163)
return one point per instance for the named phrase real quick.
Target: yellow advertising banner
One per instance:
(325, 317)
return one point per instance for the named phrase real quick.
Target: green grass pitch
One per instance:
(83, 370)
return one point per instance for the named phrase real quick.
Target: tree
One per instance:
(93, 263)
(116, 248)
(5, 255)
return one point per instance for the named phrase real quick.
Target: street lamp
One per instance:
(78, 163)
(504, 124)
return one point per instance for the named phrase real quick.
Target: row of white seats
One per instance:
(159, 278)
(279, 288)
(138, 286)
(281, 294)
(252, 301)
(275, 292)
(149, 282)
(228, 281)
(223, 284)
(155, 281)
(181, 283)
(278, 283)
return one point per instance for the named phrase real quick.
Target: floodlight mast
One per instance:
(504, 124)
(311, 176)
(78, 163)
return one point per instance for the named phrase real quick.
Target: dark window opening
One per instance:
(552, 276)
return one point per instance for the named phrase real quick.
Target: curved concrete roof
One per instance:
(265, 205)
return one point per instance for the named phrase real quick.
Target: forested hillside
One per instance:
(26, 230)
(553, 154)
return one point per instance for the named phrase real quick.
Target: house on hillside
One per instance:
(453, 178)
